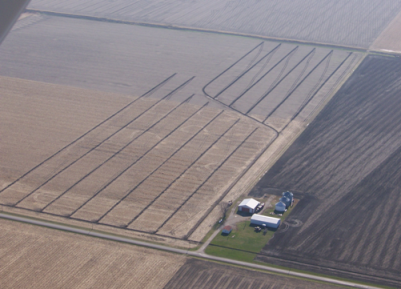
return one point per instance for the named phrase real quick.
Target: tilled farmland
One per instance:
(345, 169)
(36, 257)
(161, 163)
(200, 274)
(154, 166)
(313, 20)
(271, 82)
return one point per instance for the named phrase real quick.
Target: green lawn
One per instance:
(244, 238)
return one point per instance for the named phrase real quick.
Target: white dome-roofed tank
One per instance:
(280, 207)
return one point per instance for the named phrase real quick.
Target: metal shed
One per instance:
(248, 206)
(227, 230)
(270, 222)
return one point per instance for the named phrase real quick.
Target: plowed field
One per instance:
(153, 166)
(160, 163)
(354, 23)
(207, 275)
(345, 167)
(35, 257)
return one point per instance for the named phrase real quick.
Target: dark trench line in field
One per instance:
(299, 84)
(165, 161)
(106, 225)
(284, 68)
(252, 61)
(117, 152)
(137, 160)
(89, 131)
(211, 208)
(261, 69)
(208, 178)
(278, 83)
(227, 69)
(263, 76)
(103, 141)
(247, 70)
(309, 99)
(305, 68)
(183, 172)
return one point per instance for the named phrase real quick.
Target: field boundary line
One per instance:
(105, 236)
(136, 161)
(208, 178)
(263, 76)
(234, 183)
(278, 82)
(183, 172)
(310, 118)
(165, 161)
(104, 140)
(323, 104)
(231, 66)
(179, 27)
(318, 88)
(86, 133)
(118, 151)
(299, 84)
(247, 70)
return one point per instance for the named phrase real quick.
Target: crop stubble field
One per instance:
(38, 257)
(345, 167)
(161, 162)
(352, 23)
(200, 274)
(35, 257)
(389, 40)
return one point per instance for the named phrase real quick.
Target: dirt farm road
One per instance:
(179, 251)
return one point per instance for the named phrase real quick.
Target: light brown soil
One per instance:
(389, 40)
(36, 257)
(155, 167)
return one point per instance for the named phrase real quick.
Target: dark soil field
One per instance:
(207, 275)
(343, 22)
(345, 167)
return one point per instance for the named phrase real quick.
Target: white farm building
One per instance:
(270, 222)
(248, 206)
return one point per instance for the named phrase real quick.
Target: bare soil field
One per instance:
(345, 169)
(352, 23)
(36, 257)
(154, 166)
(269, 81)
(389, 40)
(161, 163)
(201, 274)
